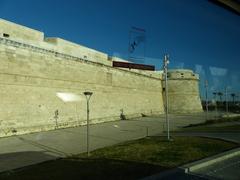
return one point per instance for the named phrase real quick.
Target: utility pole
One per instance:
(165, 68)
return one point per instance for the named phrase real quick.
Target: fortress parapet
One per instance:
(30, 37)
(18, 32)
(182, 74)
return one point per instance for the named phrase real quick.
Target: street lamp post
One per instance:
(88, 96)
(165, 68)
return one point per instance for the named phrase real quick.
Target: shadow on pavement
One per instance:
(84, 169)
(16, 160)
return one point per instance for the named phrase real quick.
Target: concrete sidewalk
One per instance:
(23, 150)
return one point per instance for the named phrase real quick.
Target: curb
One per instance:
(210, 160)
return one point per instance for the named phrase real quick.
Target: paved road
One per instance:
(225, 170)
(228, 169)
(22, 150)
(174, 174)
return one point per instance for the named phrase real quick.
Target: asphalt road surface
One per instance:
(228, 169)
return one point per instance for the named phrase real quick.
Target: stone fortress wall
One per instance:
(183, 91)
(42, 81)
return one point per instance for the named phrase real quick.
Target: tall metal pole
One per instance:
(88, 152)
(216, 110)
(226, 100)
(206, 95)
(166, 62)
(88, 96)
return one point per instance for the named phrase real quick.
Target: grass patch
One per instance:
(159, 151)
(131, 160)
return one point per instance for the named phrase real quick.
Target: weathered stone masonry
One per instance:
(35, 70)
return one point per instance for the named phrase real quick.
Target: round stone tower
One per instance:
(183, 91)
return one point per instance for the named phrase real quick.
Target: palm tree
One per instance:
(220, 94)
(214, 95)
(233, 97)
(215, 102)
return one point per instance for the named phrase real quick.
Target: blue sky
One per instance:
(195, 33)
